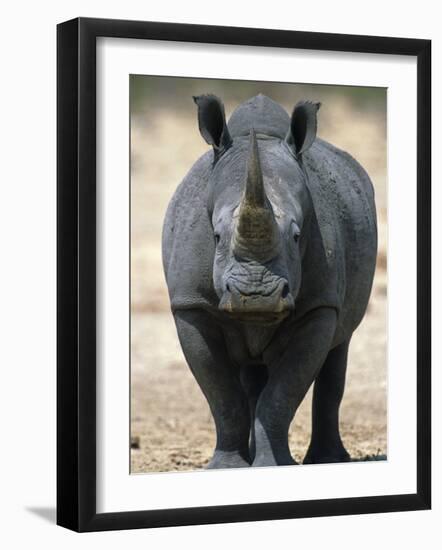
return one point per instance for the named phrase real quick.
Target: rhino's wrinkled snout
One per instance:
(267, 305)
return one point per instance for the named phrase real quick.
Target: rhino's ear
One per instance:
(303, 126)
(212, 122)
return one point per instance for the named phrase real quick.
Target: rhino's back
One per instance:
(344, 206)
(187, 247)
(261, 114)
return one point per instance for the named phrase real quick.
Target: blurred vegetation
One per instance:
(164, 91)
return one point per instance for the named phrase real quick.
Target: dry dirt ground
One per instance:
(171, 425)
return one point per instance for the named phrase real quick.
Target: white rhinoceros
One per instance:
(269, 251)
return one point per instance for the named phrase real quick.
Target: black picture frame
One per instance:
(76, 273)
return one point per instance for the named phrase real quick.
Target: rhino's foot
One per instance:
(268, 459)
(228, 459)
(326, 456)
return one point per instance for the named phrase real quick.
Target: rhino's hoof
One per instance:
(227, 459)
(327, 457)
(270, 460)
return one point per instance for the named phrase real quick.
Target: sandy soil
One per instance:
(171, 425)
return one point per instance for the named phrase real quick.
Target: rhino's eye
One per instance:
(296, 232)
(217, 238)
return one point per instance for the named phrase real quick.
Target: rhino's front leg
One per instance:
(204, 348)
(290, 376)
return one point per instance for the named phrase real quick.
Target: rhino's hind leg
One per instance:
(205, 351)
(253, 379)
(326, 445)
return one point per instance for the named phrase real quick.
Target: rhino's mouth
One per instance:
(258, 308)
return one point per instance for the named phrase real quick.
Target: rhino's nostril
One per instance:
(227, 287)
(285, 291)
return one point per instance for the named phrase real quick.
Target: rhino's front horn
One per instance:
(254, 194)
(256, 234)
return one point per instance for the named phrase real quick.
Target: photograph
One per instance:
(258, 274)
(243, 274)
(220, 316)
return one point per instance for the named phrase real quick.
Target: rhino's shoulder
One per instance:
(185, 205)
(187, 250)
(342, 194)
(190, 194)
(262, 114)
(326, 161)
(344, 206)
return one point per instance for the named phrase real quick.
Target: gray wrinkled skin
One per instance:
(269, 250)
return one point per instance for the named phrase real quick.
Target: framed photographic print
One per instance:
(243, 274)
